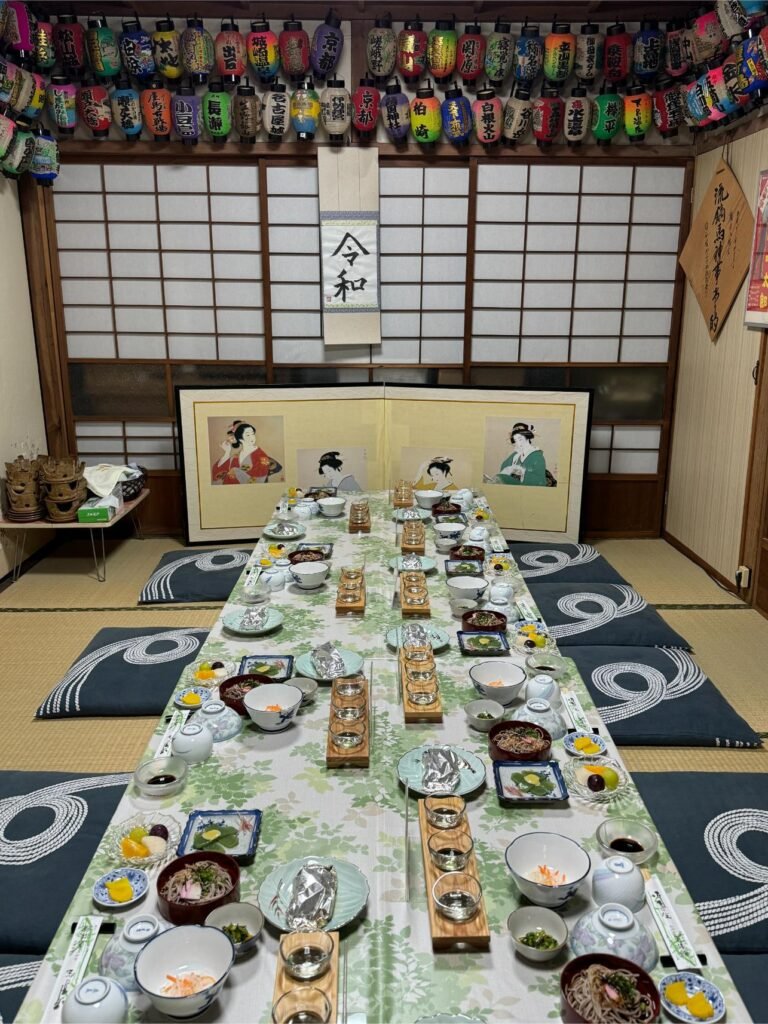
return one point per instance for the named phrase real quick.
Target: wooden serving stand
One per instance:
(418, 546)
(357, 606)
(446, 933)
(359, 757)
(405, 502)
(418, 712)
(327, 983)
(413, 610)
(364, 527)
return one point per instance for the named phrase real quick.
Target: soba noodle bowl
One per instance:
(201, 882)
(604, 996)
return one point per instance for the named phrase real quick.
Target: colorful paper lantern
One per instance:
(697, 101)
(166, 49)
(518, 115)
(19, 32)
(197, 51)
(426, 123)
(470, 53)
(305, 111)
(336, 110)
(396, 113)
(136, 50)
(45, 164)
(246, 113)
(61, 102)
(7, 131)
(442, 44)
(217, 111)
(101, 46)
(7, 77)
(18, 85)
(263, 51)
(752, 65)
(365, 109)
(500, 53)
(724, 103)
(69, 41)
(187, 114)
(528, 54)
(618, 53)
(381, 49)
(705, 35)
(294, 50)
(488, 117)
(737, 83)
(45, 51)
(456, 116)
(732, 16)
(412, 51)
(607, 114)
(229, 49)
(94, 108)
(276, 112)
(35, 102)
(576, 116)
(126, 109)
(326, 47)
(156, 110)
(559, 53)
(675, 50)
(548, 111)
(648, 50)
(638, 113)
(667, 108)
(20, 153)
(590, 44)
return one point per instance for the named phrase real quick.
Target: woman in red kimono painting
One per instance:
(243, 462)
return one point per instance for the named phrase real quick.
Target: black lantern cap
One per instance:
(522, 91)
(215, 84)
(414, 24)
(648, 24)
(229, 25)
(384, 21)
(165, 25)
(504, 27)
(578, 90)
(530, 31)
(486, 93)
(453, 91)
(425, 91)
(131, 24)
(446, 23)
(473, 29)
(561, 27)
(589, 29)
(392, 87)
(335, 83)
(96, 20)
(292, 25)
(246, 89)
(550, 90)
(195, 22)
(332, 19)
(260, 26)
(367, 82)
(66, 19)
(617, 29)
(608, 89)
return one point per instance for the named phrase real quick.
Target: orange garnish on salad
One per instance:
(273, 707)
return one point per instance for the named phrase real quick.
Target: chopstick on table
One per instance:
(407, 858)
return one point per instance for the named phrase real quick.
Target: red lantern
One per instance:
(294, 50)
(412, 51)
(675, 50)
(156, 103)
(365, 109)
(69, 42)
(470, 55)
(488, 117)
(229, 48)
(618, 53)
(667, 108)
(548, 110)
(95, 109)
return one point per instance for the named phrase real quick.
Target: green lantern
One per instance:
(217, 111)
(607, 114)
(638, 113)
(426, 120)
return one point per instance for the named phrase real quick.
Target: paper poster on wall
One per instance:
(246, 451)
(756, 313)
(343, 468)
(437, 469)
(522, 453)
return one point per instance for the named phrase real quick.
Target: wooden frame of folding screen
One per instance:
(615, 505)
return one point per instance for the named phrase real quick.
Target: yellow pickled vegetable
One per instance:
(700, 1007)
(192, 699)
(677, 993)
(120, 890)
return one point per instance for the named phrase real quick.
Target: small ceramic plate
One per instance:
(353, 664)
(427, 564)
(471, 773)
(437, 637)
(475, 643)
(451, 517)
(693, 983)
(529, 782)
(139, 883)
(404, 514)
(327, 549)
(569, 742)
(191, 691)
(351, 893)
(468, 567)
(238, 833)
(277, 666)
(233, 623)
(286, 531)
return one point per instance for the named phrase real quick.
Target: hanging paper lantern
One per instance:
(518, 115)
(528, 54)
(276, 112)
(638, 113)
(102, 48)
(294, 50)
(470, 53)
(336, 110)
(487, 117)
(18, 85)
(197, 51)
(305, 111)
(706, 36)
(412, 51)
(732, 72)
(559, 52)
(667, 108)
(61, 102)
(45, 164)
(365, 109)
(246, 113)
(187, 114)
(45, 52)
(217, 111)
(675, 50)
(156, 105)
(425, 116)
(752, 65)
(7, 131)
(607, 114)
(756, 10)
(263, 51)
(19, 33)
(20, 153)
(229, 48)
(126, 109)
(576, 116)
(326, 47)
(732, 16)
(548, 111)
(69, 41)
(8, 72)
(618, 53)
(590, 43)
(94, 108)
(381, 49)
(648, 50)
(456, 116)
(396, 113)
(35, 103)
(500, 53)
(697, 101)
(724, 103)
(166, 47)
(442, 44)
(136, 49)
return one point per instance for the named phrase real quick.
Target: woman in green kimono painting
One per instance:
(526, 465)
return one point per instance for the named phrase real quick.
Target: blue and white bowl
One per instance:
(693, 983)
(258, 699)
(614, 929)
(524, 854)
(139, 883)
(180, 950)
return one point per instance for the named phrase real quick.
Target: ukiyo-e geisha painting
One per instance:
(246, 451)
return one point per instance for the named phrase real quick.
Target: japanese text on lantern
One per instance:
(756, 314)
(350, 262)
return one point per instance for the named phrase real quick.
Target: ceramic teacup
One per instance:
(309, 575)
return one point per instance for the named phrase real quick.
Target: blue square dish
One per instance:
(238, 833)
(278, 667)
(513, 788)
(478, 643)
(463, 567)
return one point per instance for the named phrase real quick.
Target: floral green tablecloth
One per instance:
(359, 815)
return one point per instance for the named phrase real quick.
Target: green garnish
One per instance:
(237, 932)
(485, 715)
(624, 985)
(539, 939)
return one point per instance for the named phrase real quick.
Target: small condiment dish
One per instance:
(245, 914)
(532, 919)
(307, 686)
(161, 776)
(483, 707)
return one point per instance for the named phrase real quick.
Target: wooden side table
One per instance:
(100, 565)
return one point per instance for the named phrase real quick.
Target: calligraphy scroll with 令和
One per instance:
(715, 257)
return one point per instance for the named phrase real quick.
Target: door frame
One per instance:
(756, 494)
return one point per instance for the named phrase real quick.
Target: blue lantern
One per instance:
(456, 115)
(396, 113)
(126, 109)
(136, 49)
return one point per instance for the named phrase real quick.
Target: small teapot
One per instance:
(193, 743)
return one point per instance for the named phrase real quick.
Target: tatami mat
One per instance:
(662, 574)
(694, 759)
(37, 648)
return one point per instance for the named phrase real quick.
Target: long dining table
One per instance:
(389, 970)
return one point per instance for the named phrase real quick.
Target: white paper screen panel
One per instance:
(152, 445)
